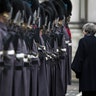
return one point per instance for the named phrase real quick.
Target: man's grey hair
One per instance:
(89, 28)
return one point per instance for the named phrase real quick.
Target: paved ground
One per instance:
(73, 89)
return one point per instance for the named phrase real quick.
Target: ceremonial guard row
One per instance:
(35, 47)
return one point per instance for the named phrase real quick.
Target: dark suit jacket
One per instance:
(84, 63)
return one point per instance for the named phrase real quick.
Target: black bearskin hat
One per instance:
(5, 6)
(28, 11)
(17, 5)
(68, 4)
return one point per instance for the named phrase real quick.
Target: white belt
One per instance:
(10, 52)
(20, 55)
(32, 56)
(39, 48)
(67, 41)
(42, 47)
(70, 44)
(25, 59)
(49, 56)
(46, 58)
(1, 52)
(64, 49)
(57, 50)
(54, 55)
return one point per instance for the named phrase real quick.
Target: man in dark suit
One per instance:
(84, 63)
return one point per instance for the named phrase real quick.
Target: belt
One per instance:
(1, 52)
(9, 52)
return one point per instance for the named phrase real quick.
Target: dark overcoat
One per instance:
(84, 63)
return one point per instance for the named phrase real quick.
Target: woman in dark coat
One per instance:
(84, 63)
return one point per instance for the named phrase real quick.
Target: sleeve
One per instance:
(78, 60)
(1, 48)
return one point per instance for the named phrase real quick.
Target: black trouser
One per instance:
(89, 93)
